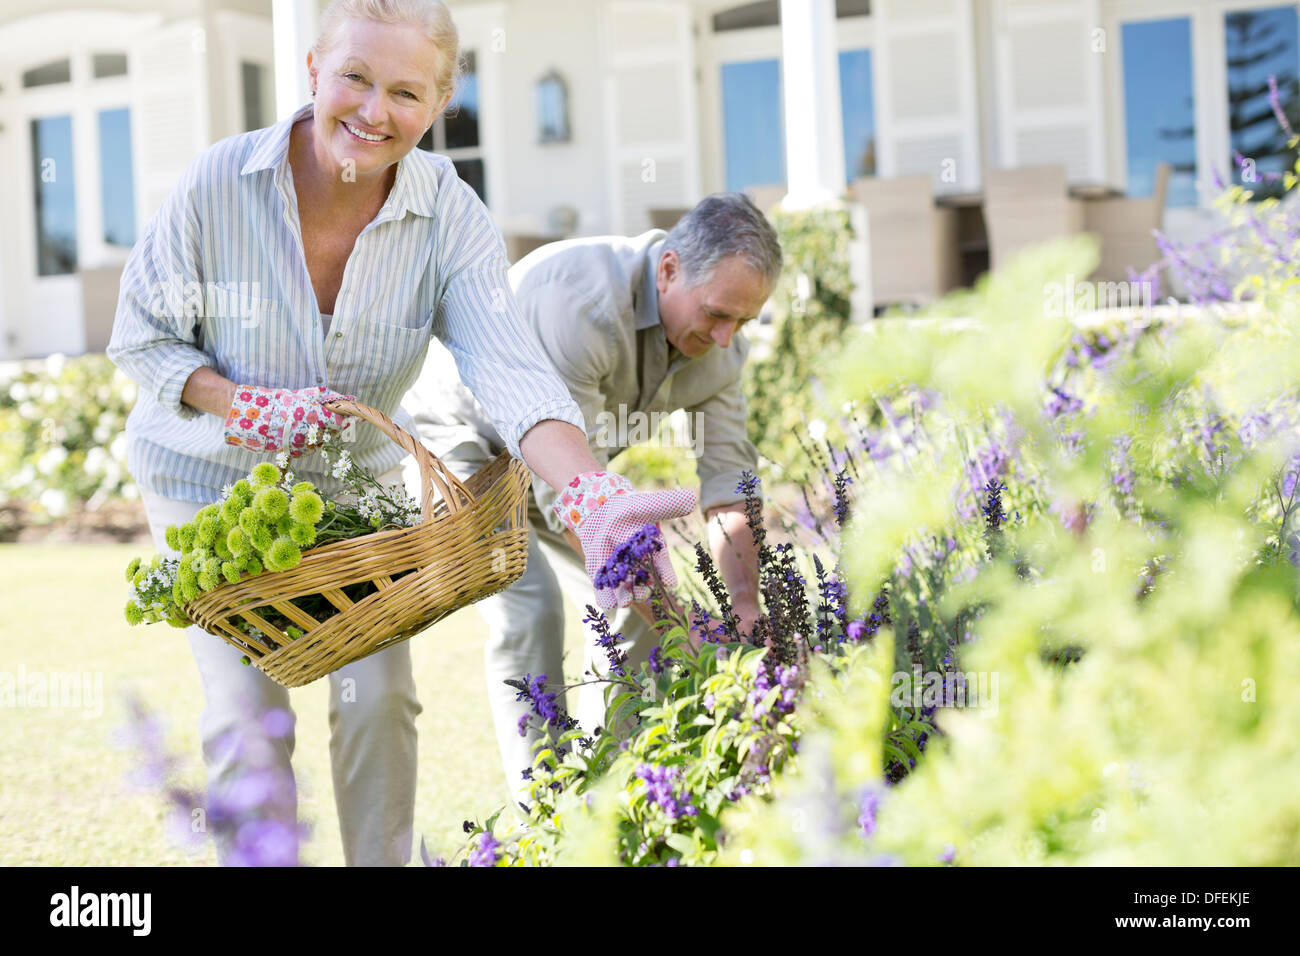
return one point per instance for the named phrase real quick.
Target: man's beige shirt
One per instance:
(594, 304)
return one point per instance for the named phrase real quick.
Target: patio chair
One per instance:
(1025, 207)
(519, 245)
(915, 256)
(665, 219)
(1125, 226)
(767, 197)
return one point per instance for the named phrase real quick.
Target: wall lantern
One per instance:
(552, 109)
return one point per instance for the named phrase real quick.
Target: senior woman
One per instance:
(360, 247)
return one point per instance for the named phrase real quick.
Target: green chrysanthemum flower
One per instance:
(175, 620)
(262, 539)
(208, 581)
(198, 556)
(185, 537)
(306, 507)
(132, 568)
(252, 565)
(303, 487)
(230, 509)
(230, 571)
(207, 511)
(303, 535)
(185, 574)
(242, 490)
(293, 632)
(237, 542)
(250, 521)
(283, 525)
(139, 577)
(265, 474)
(134, 613)
(284, 554)
(221, 548)
(172, 537)
(271, 504)
(189, 592)
(207, 533)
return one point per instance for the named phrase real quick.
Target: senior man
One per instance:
(637, 328)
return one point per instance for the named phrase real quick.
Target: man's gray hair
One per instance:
(721, 226)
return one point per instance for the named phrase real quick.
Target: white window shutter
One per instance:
(1050, 56)
(650, 106)
(169, 109)
(927, 117)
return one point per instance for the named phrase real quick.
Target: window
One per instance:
(456, 133)
(59, 71)
(753, 130)
(108, 64)
(117, 177)
(767, 13)
(1262, 43)
(56, 200)
(859, 114)
(1159, 109)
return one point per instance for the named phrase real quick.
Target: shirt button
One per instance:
(320, 381)
(338, 335)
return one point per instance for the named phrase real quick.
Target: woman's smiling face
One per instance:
(375, 94)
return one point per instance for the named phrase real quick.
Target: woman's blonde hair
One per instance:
(430, 16)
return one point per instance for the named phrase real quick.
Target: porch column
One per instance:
(814, 131)
(293, 24)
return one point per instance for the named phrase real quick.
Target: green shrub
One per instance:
(812, 313)
(63, 434)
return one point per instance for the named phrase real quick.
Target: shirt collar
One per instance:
(648, 312)
(414, 189)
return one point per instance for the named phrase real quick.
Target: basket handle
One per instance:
(433, 473)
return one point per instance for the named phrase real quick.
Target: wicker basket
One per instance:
(471, 543)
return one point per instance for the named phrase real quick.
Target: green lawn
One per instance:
(64, 797)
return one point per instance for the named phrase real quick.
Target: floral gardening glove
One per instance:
(283, 419)
(604, 511)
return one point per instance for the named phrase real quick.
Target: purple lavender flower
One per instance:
(487, 851)
(607, 641)
(868, 807)
(660, 791)
(631, 561)
(656, 660)
(543, 703)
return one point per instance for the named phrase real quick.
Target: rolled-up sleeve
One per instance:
(154, 341)
(497, 354)
(577, 335)
(718, 429)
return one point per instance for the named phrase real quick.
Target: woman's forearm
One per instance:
(209, 391)
(557, 451)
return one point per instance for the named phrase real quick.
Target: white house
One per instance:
(103, 102)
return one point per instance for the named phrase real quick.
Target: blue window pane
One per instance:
(1262, 43)
(859, 114)
(1159, 110)
(56, 199)
(117, 177)
(753, 131)
(462, 124)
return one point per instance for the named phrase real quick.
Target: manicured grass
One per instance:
(64, 795)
